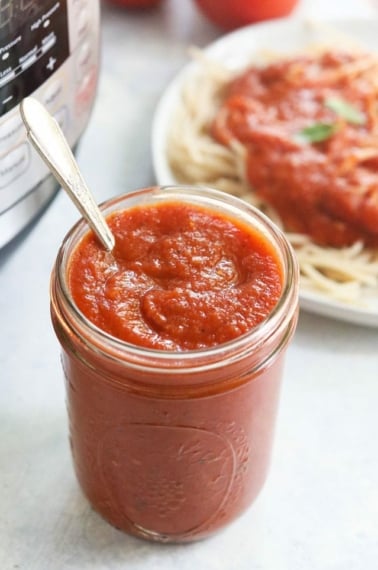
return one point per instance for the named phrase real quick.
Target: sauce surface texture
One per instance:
(181, 277)
(309, 125)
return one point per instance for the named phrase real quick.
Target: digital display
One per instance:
(15, 13)
(33, 44)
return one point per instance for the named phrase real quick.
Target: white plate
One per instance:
(237, 49)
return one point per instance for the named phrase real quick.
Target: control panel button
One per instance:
(13, 164)
(10, 132)
(83, 60)
(86, 89)
(82, 21)
(9, 96)
(61, 117)
(52, 93)
(77, 4)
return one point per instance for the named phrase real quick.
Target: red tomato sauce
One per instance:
(173, 446)
(181, 277)
(181, 467)
(327, 189)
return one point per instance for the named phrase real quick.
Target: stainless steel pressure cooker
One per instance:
(48, 48)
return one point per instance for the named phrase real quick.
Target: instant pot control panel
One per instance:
(48, 49)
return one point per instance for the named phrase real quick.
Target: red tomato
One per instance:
(229, 14)
(135, 3)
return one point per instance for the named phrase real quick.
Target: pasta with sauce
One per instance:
(331, 130)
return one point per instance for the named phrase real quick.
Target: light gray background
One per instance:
(319, 509)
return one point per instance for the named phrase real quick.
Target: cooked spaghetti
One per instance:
(298, 138)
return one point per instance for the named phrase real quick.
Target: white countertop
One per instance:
(319, 509)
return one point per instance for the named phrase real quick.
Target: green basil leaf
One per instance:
(345, 110)
(318, 132)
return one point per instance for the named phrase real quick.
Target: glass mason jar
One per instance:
(172, 446)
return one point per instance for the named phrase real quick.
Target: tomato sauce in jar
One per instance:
(172, 348)
(180, 277)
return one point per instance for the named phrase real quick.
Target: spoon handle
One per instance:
(46, 136)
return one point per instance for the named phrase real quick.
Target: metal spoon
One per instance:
(47, 137)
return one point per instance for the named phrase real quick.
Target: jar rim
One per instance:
(173, 360)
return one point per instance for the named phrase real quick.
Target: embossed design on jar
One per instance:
(243, 452)
(154, 491)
